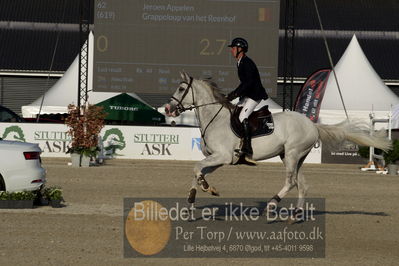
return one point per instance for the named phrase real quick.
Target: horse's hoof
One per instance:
(271, 206)
(203, 184)
(292, 220)
(296, 217)
(213, 191)
(191, 195)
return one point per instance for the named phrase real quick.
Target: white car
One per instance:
(20, 166)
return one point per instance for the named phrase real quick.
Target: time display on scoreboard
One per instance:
(141, 45)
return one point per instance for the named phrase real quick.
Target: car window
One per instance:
(6, 116)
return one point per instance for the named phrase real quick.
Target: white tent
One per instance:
(362, 89)
(65, 91)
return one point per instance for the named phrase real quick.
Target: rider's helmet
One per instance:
(239, 42)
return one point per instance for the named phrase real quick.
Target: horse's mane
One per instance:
(219, 96)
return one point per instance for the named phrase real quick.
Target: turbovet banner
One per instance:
(126, 142)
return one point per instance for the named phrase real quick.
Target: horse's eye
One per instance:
(181, 89)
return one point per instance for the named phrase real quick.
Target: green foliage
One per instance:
(89, 152)
(392, 156)
(364, 151)
(53, 193)
(22, 195)
(50, 193)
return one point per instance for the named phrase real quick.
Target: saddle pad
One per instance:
(261, 124)
(266, 127)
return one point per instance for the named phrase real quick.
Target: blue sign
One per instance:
(196, 142)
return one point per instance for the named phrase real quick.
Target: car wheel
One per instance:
(2, 184)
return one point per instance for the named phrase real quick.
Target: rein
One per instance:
(191, 107)
(180, 107)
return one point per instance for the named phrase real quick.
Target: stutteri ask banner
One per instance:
(125, 142)
(309, 98)
(53, 139)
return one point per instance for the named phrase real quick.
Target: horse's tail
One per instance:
(354, 131)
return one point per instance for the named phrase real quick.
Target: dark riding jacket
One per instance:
(250, 83)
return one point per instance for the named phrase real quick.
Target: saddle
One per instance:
(260, 122)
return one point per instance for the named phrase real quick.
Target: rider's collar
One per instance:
(239, 60)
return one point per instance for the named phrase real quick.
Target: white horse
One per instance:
(293, 137)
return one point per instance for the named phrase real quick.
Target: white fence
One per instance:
(128, 142)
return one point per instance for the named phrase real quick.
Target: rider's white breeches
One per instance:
(248, 106)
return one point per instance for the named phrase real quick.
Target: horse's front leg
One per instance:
(204, 167)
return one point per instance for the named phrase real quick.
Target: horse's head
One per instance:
(182, 97)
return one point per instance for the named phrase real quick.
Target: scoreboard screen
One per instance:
(142, 45)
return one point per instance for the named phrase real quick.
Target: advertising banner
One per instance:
(346, 153)
(309, 99)
(125, 142)
(53, 139)
(161, 143)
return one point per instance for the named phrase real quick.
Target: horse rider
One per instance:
(250, 91)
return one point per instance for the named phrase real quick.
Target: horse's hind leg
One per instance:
(302, 186)
(294, 177)
(290, 162)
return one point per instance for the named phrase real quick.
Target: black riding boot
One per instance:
(246, 148)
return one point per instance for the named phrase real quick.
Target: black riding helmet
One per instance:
(239, 42)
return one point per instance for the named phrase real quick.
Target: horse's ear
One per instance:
(184, 76)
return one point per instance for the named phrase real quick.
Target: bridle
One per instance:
(180, 107)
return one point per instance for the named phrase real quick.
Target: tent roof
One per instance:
(124, 107)
(361, 87)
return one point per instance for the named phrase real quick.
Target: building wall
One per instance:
(16, 91)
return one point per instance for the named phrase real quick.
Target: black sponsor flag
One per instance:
(309, 98)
